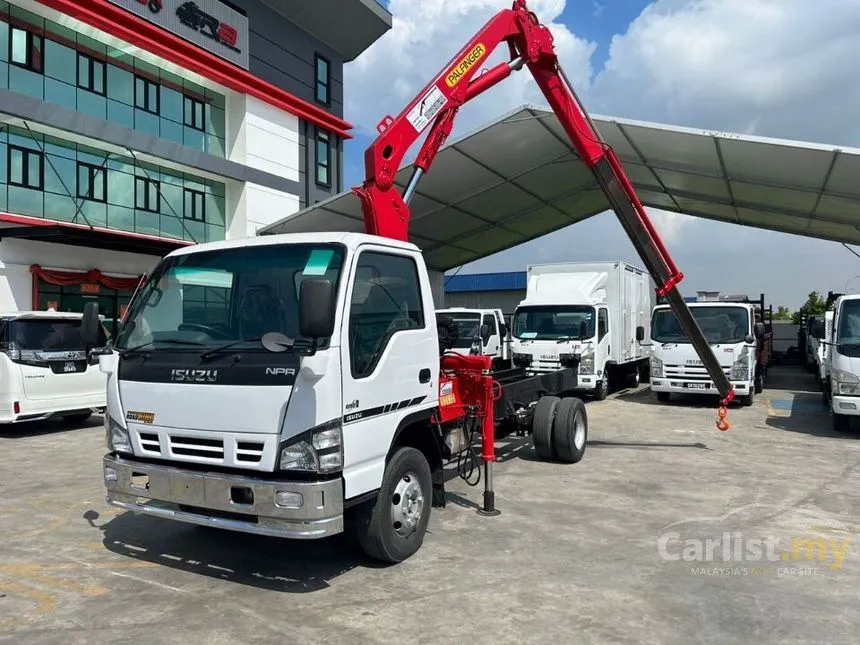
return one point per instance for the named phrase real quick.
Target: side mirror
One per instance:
(640, 334)
(749, 339)
(485, 333)
(90, 326)
(758, 330)
(316, 308)
(503, 331)
(818, 329)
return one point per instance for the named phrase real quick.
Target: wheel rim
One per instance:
(579, 431)
(407, 505)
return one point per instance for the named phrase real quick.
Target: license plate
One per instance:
(697, 386)
(68, 367)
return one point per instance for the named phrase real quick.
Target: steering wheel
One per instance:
(206, 329)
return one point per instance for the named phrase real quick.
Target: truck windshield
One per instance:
(210, 298)
(848, 333)
(553, 322)
(468, 327)
(719, 324)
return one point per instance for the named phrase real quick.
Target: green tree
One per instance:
(782, 313)
(814, 305)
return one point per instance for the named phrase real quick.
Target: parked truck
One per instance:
(468, 324)
(838, 334)
(313, 387)
(597, 311)
(737, 332)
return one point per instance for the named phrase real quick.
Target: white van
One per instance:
(44, 369)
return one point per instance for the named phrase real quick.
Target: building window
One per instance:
(25, 168)
(25, 49)
(147, 194)
(323, 79)
(146, 95)
(194, 206)
(194, 113)
(91, 74)
(92, 182)
(323, 154)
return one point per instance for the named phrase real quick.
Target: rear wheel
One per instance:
(542, 427)
(570, 430)
(633, 377)
(391, 528)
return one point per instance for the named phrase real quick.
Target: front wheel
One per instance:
(391, 528)
(602, 389)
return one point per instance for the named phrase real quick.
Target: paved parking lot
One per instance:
(593, 552)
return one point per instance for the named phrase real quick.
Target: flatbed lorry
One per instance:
(315, 389)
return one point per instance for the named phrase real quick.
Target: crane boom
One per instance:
(530, 45)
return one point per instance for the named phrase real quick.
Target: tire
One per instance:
(543, 421)
(570, 430)
(76, 419)
(633, 378)
(663, 397)
(645, 371)
(602, 389)
(382, 526)
(748, 399)
(841, 422)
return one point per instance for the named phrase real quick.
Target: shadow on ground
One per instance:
(293, 566)
(49, 426)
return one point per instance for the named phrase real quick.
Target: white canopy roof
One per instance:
(518, 178)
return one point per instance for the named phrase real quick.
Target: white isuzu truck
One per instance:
(593, 313)
(737, 335)
(480, 331)
(842, 359)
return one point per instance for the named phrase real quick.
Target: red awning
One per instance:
(47, 230)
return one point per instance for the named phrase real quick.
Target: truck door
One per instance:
(492, 346)
(601, 352)
(389, 359)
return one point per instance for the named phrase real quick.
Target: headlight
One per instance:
(844, 383)
(656, 367)
(741, 366)
(586, 363)
(522, 360)
(319, 450)
(116, 437)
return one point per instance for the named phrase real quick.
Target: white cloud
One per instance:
(424, 37)
(782, 68)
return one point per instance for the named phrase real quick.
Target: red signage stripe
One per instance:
(126, 26)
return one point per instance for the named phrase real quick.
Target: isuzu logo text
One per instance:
(194, 376)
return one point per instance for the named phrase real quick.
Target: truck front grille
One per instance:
(240, 450)
(690, 372)
(197, 447)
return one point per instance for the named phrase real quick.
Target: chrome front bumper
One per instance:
(207, 499)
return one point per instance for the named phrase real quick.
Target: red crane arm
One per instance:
(530, 44)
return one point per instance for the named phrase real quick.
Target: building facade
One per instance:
(132, 127)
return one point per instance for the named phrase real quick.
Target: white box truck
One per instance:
(842, 359)
(589, 314)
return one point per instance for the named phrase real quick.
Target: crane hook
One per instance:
(723, 423)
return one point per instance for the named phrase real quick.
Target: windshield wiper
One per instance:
(206, 353)
(125, 351)
(566, 338)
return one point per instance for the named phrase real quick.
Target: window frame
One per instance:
(25, 167)
(93, 171)
(185, 100)
(385, 341)
(194, 193)
(30, 37)
(322, 136)
(92, 62)
(138, 179)
(605, 312)
(320, 82)
(148, 85)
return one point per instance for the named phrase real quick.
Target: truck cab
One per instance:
(480, 331)
(842, 374)
(734, 335)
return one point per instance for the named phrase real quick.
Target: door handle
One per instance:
(424, 375)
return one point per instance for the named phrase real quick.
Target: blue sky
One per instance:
(778, 68)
